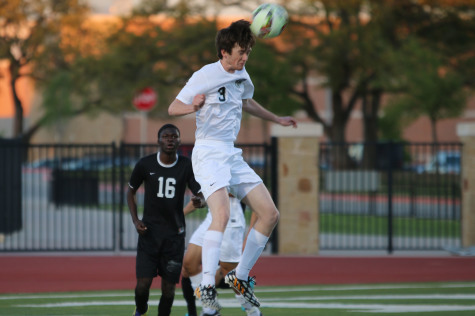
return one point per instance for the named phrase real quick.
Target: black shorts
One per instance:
(160, 256)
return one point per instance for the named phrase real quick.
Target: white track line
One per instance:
(228, 303)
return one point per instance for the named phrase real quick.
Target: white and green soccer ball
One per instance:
(269, 20)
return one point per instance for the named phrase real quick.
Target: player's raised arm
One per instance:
(252, 107)
(178, 108)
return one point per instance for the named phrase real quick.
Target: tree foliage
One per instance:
(138, 54)
(430, 87)
(162, 53)
(359, 50)
(30, 35)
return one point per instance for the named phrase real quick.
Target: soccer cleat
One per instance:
(136, 312)
(243, 287)
(206, 314)
(208, 296)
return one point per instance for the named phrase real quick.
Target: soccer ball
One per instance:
(269, 20)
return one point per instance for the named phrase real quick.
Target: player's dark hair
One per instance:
(164, 127)
(238, 32)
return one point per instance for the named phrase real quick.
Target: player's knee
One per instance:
(168, 289)
(186, 269)
(143, 287)
(220, 221)
(274, 217)
(184, 272)
(224, 221)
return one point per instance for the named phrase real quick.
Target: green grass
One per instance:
(378, 225)
(448, 299)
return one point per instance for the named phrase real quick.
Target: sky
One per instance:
(112, 6)
(120, 7)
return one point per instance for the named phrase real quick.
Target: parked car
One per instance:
(442, 162)
(50, 163)
(98, 163)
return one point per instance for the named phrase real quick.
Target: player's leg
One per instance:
(191, 270)
(260, 201)
(218, 203)
(145, 271)
(166, 300)
(142, 292)
(169, 268)
(231, 250)
(192, 260)
(188, 294)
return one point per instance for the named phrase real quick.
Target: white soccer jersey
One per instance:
(220, 116)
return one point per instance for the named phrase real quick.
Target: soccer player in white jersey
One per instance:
(218, 93)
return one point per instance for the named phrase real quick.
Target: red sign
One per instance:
(145, 99)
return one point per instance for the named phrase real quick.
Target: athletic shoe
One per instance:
(208, 296)
(136, 312)
(254, 312)
(243, 287)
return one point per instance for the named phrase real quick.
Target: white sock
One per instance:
(245, 304)
(254, 246)
(208, 310)
(196, 280)
(210, 256)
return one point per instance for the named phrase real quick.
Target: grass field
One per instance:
(454, 298)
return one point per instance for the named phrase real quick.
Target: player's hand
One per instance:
(287, 121)
(198, 101)
(198, 202)
(140, 227)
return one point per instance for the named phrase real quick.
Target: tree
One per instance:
(352, 48)
(146, 50)
(355, 49)
(431, 88)
(139, 52)
(30, 30)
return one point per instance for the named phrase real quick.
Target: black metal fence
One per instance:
(73, 197)
(393, 196)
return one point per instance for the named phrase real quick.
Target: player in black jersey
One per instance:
(161, 243)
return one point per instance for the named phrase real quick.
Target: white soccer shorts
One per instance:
(219, 164)
(231, 246)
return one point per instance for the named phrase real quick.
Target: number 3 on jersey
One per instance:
(222, 94)
(166, 189)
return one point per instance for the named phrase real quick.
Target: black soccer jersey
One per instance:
(165, 187)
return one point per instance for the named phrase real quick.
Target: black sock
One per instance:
(188, 294)
(165, 305)
(141, 299)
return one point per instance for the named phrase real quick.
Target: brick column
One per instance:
(298, 174)
(466, 132)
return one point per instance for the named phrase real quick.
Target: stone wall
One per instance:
(298, 175)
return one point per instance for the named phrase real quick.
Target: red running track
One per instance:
(29, 274)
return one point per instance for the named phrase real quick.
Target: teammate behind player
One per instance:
(230, 254)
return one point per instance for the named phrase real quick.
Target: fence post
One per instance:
(466, 132)
(274, 238)
(298, 173)
(115, 213)
(12, 153)
(390, 199)
(122, 194)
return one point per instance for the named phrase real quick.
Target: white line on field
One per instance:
(228, 303)
(262, 290)
(376, 297)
